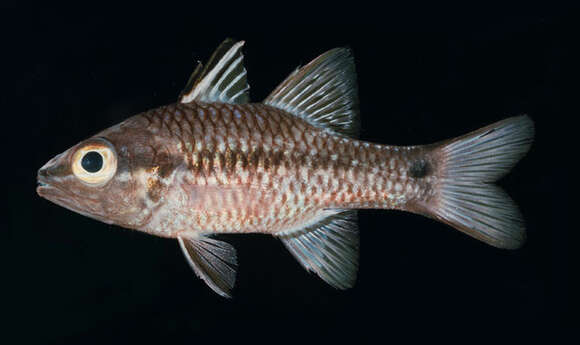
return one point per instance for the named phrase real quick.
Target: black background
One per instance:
(425, 74)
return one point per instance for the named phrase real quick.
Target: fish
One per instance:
(214, 163)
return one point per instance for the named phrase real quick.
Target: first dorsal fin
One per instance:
(329, 248)
(223, 79)
(324, 92)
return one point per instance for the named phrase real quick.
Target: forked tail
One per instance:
(465, 197)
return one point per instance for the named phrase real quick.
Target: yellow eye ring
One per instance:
(95, 162)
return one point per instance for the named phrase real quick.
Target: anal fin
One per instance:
(329, 248)
(213, 261)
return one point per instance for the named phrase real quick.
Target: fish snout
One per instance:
(42, 174)
(54, 168)
(50, 173)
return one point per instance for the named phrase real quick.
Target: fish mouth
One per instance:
(65, 199)
(51, 188)
(43, 187)
(47, 186)
(48, 190)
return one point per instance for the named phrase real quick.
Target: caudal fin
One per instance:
(467, 199)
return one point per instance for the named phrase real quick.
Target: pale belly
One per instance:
(195, 210)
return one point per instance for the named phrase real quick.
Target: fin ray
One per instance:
(329, 248)
(467, 199)
(213, 261)
(324, 92)
(224, 79)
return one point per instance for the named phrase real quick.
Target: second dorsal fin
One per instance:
(324, 92)
(223, 79)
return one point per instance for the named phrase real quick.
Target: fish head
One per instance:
(107, 177)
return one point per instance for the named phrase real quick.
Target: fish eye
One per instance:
(95, 162)
(92, 161)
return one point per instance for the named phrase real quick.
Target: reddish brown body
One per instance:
(255, 168)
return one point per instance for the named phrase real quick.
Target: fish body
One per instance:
(290, 167)
(254, 168)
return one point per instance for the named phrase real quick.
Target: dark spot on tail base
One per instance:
(419, 168)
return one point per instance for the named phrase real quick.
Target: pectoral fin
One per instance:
(213, 261)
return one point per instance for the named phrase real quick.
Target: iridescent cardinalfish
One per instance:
(291, 166)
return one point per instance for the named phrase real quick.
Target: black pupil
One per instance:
(92, 162)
